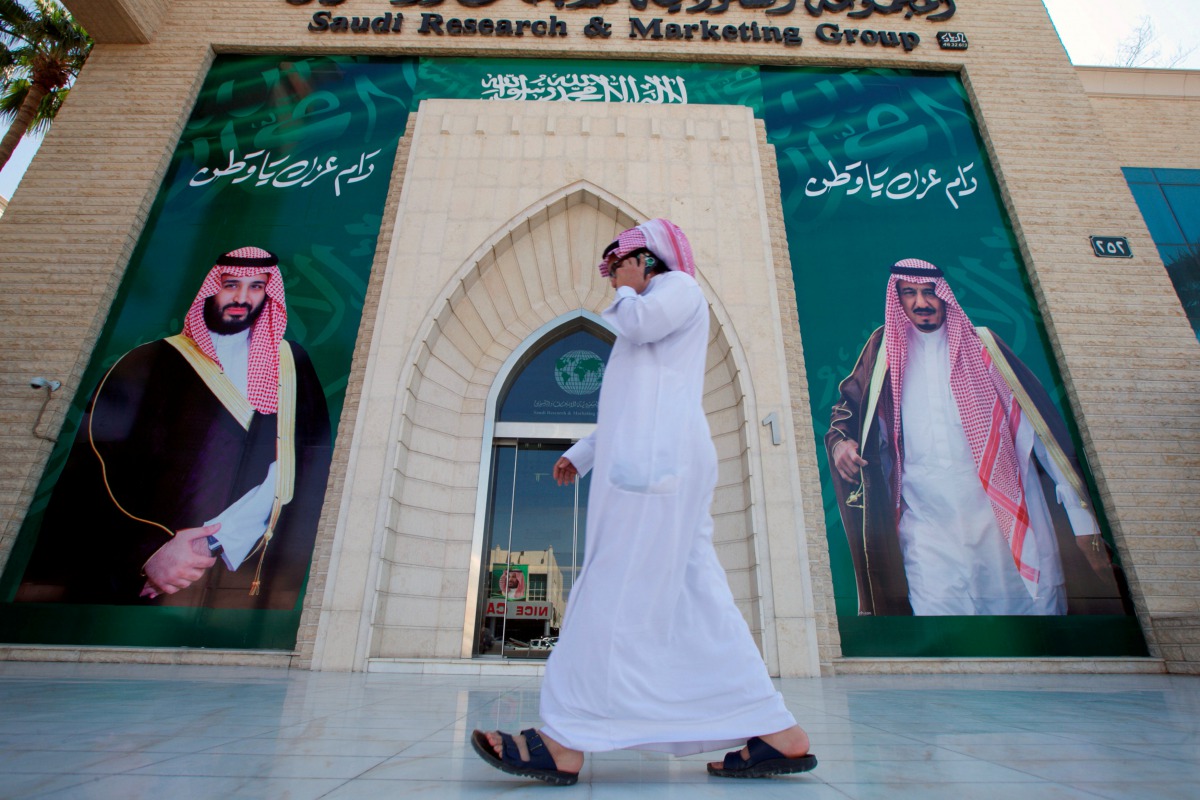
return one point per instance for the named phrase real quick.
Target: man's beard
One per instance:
(214, 322)
(927, 321)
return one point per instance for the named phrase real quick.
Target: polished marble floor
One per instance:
(106, 731)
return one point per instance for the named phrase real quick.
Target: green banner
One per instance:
(286, 156)
(877, 166)
(656, 83)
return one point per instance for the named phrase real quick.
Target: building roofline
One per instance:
(1174, 84)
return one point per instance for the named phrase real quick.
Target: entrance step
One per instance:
(489, 667)
(991, 666)
(275, 659)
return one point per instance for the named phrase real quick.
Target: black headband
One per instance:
(920, 272)
(230, 260)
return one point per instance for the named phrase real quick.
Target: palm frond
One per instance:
(42, 49)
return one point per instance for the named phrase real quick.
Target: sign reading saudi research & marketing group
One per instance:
(841, 23)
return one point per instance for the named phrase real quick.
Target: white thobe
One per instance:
(956, 559)
(233, 351)
(245, 520)
(653, 652)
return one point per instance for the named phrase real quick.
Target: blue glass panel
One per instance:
(1157, 214)
(1139, 175)
(1171, 253)
(1185, 203)
(536, 542)
(1184, 176)
(561, 383)
(1183, 265)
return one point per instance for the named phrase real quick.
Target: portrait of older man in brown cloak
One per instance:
(956, 478)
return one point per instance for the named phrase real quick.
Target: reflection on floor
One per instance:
(82, 731)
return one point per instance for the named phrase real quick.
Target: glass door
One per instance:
(534, 551)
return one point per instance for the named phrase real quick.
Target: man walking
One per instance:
(653, 653)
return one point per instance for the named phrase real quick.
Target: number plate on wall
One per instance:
(1111, 247)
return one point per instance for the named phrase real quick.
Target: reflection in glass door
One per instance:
(535, 549)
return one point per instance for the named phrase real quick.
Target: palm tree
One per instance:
(42, 49)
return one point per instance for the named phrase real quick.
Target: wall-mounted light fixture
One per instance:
(45, 383)
(51, 387)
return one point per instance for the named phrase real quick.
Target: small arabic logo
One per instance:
(952, 40)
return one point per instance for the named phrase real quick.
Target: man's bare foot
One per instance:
(565, 759)
(792, 742)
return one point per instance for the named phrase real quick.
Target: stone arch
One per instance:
(537, 268)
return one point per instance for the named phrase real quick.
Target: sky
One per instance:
(1091, 31)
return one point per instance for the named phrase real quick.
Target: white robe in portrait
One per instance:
(653, 653)
(956, 560)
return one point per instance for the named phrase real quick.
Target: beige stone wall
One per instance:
(1150, 116)
(111, 21)
(1129, 366)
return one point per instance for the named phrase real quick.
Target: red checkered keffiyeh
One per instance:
(989, 416)
(662, 237)
(267, 333)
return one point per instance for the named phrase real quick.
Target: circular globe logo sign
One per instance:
(579, 372)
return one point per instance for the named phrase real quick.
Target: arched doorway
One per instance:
(533, 280)
(535, 530)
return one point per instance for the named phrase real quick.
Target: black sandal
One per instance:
(540, 765)
(764, 761)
